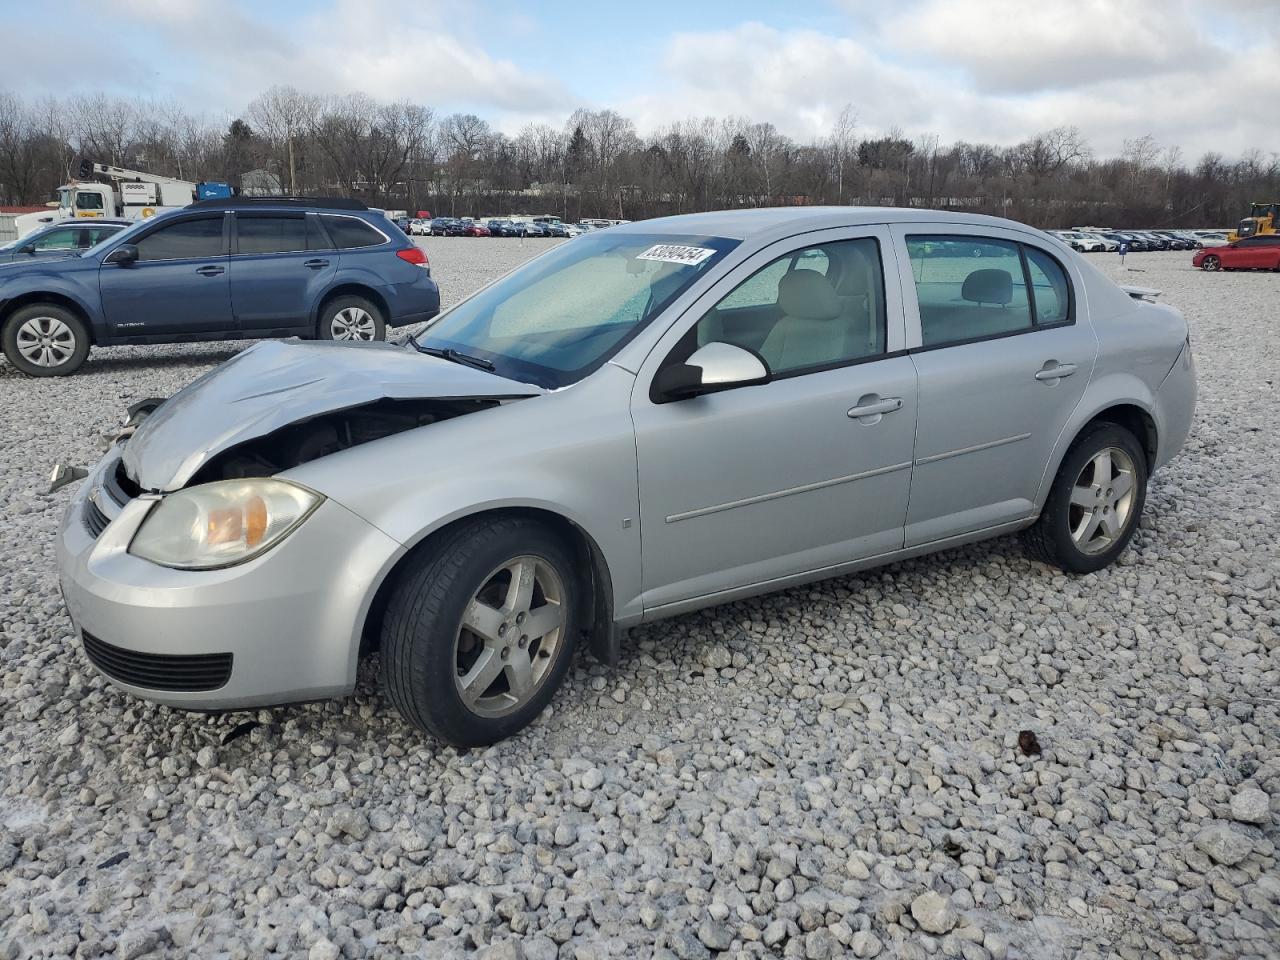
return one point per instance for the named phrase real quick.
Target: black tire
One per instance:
(68, 342)
(1211, 263)
(350, 306)
(423, 621)
(1050, 539)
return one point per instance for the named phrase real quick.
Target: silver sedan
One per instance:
(652, 419)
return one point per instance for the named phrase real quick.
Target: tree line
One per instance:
(404, 155)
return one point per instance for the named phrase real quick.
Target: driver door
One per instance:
(801, 474)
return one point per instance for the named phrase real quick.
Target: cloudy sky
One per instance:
(1202, 76)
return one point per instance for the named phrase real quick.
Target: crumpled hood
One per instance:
(274, 384)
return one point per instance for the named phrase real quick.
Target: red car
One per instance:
(475, 230)
(1247, 253)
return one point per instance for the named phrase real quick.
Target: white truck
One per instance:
(131, 194)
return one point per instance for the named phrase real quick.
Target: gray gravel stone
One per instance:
(933, 912)
(1251, 805)
(1224, 843)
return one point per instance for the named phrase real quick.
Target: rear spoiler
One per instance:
(1141, 293)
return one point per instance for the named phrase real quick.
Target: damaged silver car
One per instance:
(654, 418)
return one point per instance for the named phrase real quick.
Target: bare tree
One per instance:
(843, 141)
(282, 114)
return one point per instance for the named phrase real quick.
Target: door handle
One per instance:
(1052, 370)
(316, 264)
(873, 406)
(210, 271)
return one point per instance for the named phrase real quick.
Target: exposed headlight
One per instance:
(223, 523)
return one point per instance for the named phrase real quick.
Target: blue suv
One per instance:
(221, 269)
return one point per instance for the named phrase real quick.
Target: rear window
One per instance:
(349, 233)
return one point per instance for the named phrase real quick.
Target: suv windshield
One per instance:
(562, 316)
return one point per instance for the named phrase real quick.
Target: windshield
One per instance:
(563, 315)
(122, 235)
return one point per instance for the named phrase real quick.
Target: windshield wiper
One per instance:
(456, 356)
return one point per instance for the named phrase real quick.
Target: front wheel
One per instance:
(46, 340)
(1211, 263)
(1094, 505)
(480, 630)
(352, 318)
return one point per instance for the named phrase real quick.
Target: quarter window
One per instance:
(349, 233)
(1050, 288)
(185, 240)
(810, 309)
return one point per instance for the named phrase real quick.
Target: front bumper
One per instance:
(282, 627)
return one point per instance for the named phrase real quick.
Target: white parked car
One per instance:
(1108, 245)
(1080, 242)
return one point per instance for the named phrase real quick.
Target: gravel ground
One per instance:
(829, 771)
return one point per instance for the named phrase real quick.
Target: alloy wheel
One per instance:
(353, 323)
(512, 629)
(1211, 263)
(1102, 501)
(46, 341)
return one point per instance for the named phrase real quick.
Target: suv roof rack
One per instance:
(332, 203)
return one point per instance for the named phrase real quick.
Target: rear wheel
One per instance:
(1095, 502)
(352, 318)
(1211, 263)
(479, 632)
(46, 340)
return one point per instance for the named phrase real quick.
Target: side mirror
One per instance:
(125, 254)
(27, 248)
(710, 369)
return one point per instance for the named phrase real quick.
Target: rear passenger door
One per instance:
(280, 264)
(1003, 355)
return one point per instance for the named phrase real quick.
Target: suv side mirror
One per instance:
(27, 248)
(710, 369)
(125, 254)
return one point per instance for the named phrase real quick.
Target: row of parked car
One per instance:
(495, 227)
(1137, 241)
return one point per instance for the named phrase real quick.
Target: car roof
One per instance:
(759, 222)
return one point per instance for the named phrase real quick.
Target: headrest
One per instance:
(988, 286)
(807, 295)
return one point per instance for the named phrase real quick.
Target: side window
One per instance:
(316, 239)
(1049, 287)
(186, 240)
(968, 288)
(809, 309)
(280, 234)
(349, 233)
(95, 235)
(57, 240)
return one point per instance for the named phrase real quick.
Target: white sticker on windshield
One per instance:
(675, 253)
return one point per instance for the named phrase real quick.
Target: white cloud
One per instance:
(971, 70)
(385, 48)
(1014, 47)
